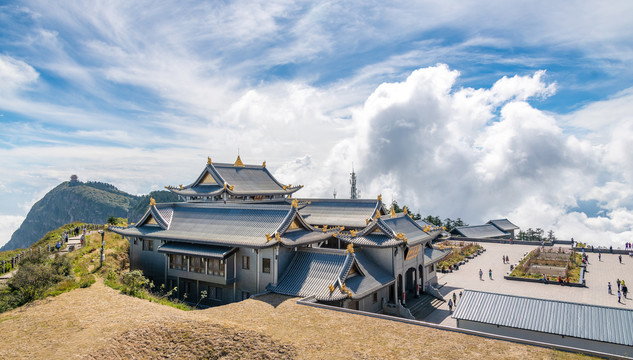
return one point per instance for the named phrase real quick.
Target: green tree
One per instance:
(134, 282)
(112, 220)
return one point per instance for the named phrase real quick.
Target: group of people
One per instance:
(505, 258)
(481, 274)
(453, 301)
(622, 289)
(628, 246)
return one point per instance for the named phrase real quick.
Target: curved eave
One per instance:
(281, 191)
(306, 239)
(186, 192)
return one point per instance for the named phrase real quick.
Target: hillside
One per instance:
(100, 323)
(89, 202)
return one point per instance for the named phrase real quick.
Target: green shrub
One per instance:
(31, 281)
(134, 283)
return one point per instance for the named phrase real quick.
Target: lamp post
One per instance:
(102, 245)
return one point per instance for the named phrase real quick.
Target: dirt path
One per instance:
(99, 322)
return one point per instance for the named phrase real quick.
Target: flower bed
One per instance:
(461, 252)
(551, 264)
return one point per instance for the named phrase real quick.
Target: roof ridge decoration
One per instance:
(393, 211)
(152, 202)
(209, 162)
(264, 164)
(238, 162)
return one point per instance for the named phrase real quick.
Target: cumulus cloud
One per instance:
(484, 153)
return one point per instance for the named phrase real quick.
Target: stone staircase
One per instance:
(423, 306)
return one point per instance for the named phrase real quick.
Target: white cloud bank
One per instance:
(488, 153)
(8, 224)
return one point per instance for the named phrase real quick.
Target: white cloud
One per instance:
(15, 74)
(8, 225)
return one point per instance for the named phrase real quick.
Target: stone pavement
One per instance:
(599, 273)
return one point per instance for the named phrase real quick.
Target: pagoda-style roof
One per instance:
(330, 274)
(234, 179)
(350, 213)
(250, 225)
(479, 231)
(385, 231)
(503, 224)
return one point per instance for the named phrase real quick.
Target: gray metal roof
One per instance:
(382, 233)
(228, 224)
(503, 224)
(221, 252)
(480, 231)
(434, 255)
(592, 322)
(311, 271)
(339, 212)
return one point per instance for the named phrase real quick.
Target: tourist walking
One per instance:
(450, 305)
(618, 282)
(599, 256)
(625, 290)
(490, 273)
(619, 296)
(609, 287)
(455, 298)
(620, 257)
(481, 274)
(503, 258)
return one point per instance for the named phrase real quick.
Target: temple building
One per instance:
(240, 232)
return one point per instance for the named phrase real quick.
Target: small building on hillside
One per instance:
(591, 327)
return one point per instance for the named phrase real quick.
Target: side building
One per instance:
(240, 232)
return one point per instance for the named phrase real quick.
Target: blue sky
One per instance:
(473, 110)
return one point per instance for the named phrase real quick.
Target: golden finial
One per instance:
(324, 228)
(350, 248)
(264, 164)
(180, 186)
(238, 162)
(277, 237)
(268, 237)
(231, 187)
(367, 221)
(380, 197)
(393, 211)
(167, 187)
(225, 186)
(343, 288)
(377, 214)
(294, 203)
(285, 187)
(444, 228)
(353, 232)
(406, 211)
(209, 160)
(331, 287)
(342, 228)
(152, 202)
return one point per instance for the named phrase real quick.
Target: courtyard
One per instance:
(599, 273)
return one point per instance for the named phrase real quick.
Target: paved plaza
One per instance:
(599, 273)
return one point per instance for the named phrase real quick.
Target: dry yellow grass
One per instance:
(98, 322)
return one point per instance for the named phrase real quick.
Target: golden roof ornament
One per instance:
(367, 221)
(231, 187)
(180, 186)
(152, 202)
(331, 287)
(264, 164)
(324, 228)
(353, 232)
(209, 160)
(378, 214)
(380, 197)
(238, 162)
(268, 237)
(167, 187)
(350, 248)
(294, 203)
(406, 211)
(277, 237)
(393, 211)
(225, 185)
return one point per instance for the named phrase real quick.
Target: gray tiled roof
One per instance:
(382, 233)
(228, 224)
(599, 323)
(339, 212)
(312, 271)
(198, 190)
(221, 252)
(479, 231)
(434, 255)
(503, 224)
